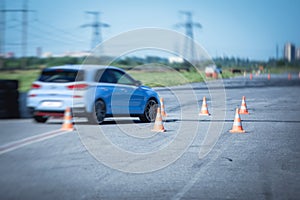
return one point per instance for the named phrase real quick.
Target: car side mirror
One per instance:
(138, 83)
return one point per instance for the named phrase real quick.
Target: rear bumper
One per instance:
(56, 113)
(48, 113)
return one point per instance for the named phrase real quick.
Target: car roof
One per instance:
(86, 67)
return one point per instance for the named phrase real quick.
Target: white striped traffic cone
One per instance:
(158, 124)
(204, 109)
(237, 124)
(243, 109)
(68, 124)
(162, 105)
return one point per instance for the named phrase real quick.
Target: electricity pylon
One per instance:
(189, 49)
(96, 25)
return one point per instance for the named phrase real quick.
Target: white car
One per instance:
(91, 91)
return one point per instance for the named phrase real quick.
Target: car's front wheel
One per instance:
(150, 111)
(40, 119)
(98, 114)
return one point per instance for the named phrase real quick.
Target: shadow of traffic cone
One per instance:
(162, 105)
(204, 110)
(237, 124)
(158, 124)
(243, 109)
(68, 124)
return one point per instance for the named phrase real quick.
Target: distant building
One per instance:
(289, 52)
(10, 55)
(175, 60)
(76, 54)
(298, 53)
(46, 55)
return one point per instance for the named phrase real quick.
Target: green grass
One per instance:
(166, 78)
(280, 70)
(228, 74)
(25, 77)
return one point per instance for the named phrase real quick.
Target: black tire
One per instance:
(150, 111)
(40, 119)
(98, 114)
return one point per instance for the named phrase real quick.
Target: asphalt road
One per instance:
(124, 159)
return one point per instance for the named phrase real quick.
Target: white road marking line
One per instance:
(30, 140)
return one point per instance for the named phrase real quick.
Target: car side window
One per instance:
(106, 76)
(114, 76)
(123, 78)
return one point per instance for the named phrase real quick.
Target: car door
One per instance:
(127, 98)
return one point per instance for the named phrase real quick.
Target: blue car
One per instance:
(92, 91)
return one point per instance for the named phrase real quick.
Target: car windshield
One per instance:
(61, 75)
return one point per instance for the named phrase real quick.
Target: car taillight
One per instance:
(77, 96)
(78, 86)
(35, 86)
(32, 95)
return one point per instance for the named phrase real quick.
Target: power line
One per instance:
(96, 25)
(46, 35)
(24, 32)
(54, 35)
(52, 27)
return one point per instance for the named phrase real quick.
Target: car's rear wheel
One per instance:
(150, 111)
(40, 119)
(98, 114)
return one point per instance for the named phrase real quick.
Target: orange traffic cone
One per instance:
(243, 109)
(237, 124)
(251, 76)
(162, 105)
(204, 110)
(289, 76)
(158, 125)
(68, 124)
(269, 76)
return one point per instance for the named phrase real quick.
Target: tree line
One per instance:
(131, 62)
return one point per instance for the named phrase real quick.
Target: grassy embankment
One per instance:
(152, 79)
(25, 77)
